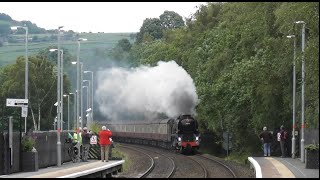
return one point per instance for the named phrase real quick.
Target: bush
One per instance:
(95, 127)
(27, 144)
(312, 147)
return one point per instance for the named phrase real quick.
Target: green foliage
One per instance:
(124, 44)
(241, 62)
(5, 17)
(127, 161)
(171, 19)
(154, 28)
(42, 88)
(95, 127)
(312, 147)
(4, 28)
(151, 26)
(27, 143)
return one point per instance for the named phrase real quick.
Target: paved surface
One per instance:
(276, 167)
(66, 169)
(298, 168)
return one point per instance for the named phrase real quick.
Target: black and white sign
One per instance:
(93, 139)
(17, 102)
(24, 111)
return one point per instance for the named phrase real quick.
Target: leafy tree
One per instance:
(124, 45)
(5, 17)
(171, 19)
(153, 27)
(42, 88)
(53, 56)
(241, 62)
(4, 28)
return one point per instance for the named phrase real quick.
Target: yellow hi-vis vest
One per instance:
(75, 137)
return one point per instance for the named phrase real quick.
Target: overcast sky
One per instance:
(94, 16)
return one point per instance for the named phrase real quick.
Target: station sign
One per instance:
(24, 111)
(17, 102)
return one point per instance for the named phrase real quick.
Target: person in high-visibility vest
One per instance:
(75, 136)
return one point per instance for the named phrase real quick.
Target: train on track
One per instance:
(180, 134)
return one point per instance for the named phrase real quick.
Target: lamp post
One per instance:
(26, 69)
(81, 95)
(87, 102)
(293, 150)
(65, 95)
(59, 101)
(79, 101)
(88, 91)
(87, 95)
(74, 108)
(61, 84)
(54, 123)
(78, 78)
(91, 105)
(302, 89)
(78, 93)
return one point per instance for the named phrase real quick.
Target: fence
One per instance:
(46, 145)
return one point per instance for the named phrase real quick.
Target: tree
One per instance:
(5, 17)
(153, 27)
(124, 44)
(241, 62)
(4, 29)
(42, 88)
(170, 20)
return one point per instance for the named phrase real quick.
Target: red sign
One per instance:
(302, 126)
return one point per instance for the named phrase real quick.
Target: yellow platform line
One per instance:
(282, 169)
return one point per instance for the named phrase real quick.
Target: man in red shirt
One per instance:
(104, 142)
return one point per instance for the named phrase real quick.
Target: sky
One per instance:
(108, 17)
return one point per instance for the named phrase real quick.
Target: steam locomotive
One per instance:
(180, 134)
(187, 136)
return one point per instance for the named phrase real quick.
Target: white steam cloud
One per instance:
(145, 92)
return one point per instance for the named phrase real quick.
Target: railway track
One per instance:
(168, 164)
(213, 167)
(163, 166)
(222, 164)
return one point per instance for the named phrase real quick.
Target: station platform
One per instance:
(93, 168)
(277, 167)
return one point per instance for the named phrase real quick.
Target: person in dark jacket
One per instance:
(104, 142)
(86, 144)
(266, 137)
(283, 139)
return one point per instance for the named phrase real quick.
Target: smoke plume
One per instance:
(145, 92)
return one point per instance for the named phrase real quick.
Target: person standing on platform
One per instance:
(104, 142)
(86, 144)
(266, 137)
(283, 139)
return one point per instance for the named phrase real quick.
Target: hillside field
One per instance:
(10, 52)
